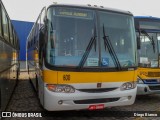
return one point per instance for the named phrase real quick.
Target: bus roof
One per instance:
(150, 20)
(88, 6)
(147, 17)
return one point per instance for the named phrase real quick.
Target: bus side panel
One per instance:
(41, 86)
(8, 75)
(31, 67)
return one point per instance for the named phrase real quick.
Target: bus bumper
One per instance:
(81, 100)
(144, 89)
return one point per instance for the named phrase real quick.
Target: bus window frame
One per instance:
(10, 32)
(6, 37)
(14, 38)
(138, 29)
(61, 68)
(1, 30)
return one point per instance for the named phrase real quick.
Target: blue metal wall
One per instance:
(22, 28)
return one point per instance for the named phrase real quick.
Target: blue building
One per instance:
(23, 29)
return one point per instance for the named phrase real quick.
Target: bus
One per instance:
(83, 57)
(9, 54)
(148, 39)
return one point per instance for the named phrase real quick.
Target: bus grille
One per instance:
(94, 101)
(153, 74)
(155, 87)
(97, 90)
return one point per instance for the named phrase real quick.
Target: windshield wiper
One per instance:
(88, 49)
(151, 39)
(107, 43)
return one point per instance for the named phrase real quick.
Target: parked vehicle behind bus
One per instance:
(83, 57)
(148, 36)
(9, 52)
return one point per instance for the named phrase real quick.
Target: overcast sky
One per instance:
(28, 10)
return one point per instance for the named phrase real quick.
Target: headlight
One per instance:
(60, 88)
(139, 80)
(128, 86)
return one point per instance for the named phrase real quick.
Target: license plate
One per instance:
(96, 107)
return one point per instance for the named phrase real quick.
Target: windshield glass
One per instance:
(119, 31)
(73, 38)
(158, 38)
(149, 40)
(70, 31)
(148, 54)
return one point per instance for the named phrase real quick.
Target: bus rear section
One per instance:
(148, 36)
(86, 58)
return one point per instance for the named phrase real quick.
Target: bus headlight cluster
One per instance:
(139, 80)
(60, 88)
(128, 86)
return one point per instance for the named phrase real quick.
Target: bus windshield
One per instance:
(149, 41)
(76, 38)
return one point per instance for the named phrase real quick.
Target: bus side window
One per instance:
(5, 25)
(13, 38)
(10, 32)
(0, 21)
(41, 44)
(41, 36)
(43, 15)
(36, 34)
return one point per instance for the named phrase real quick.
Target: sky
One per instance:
(28, 10)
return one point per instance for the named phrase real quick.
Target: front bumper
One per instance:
(52, 100)
(143, 89)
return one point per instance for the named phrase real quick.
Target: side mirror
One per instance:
(138, 42)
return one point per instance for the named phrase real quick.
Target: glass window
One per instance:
(117, 36)
(5, 25)
(11, 32)
(42, 17)
(74, 39)
(0, 22)
(68, 37)
(158, 38)
(148, 54)
(149, 47)
(15, 42)
(36, 30)
(14, 38)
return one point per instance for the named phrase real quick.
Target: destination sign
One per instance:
(73, 12)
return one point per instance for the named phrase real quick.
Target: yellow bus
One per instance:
(83, 57)
(148, 34)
